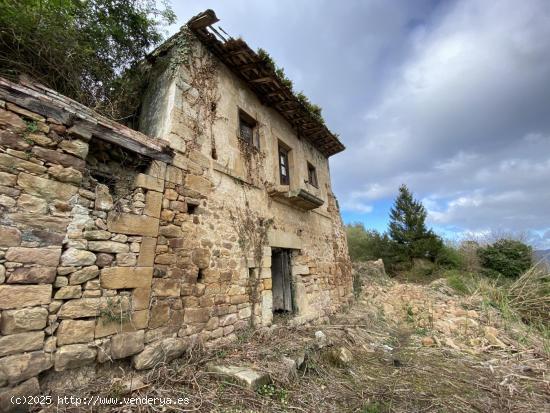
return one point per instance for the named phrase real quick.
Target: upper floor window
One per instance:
(284, 172)
(312, 175)
(248, 129)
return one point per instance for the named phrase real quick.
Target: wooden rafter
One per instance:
(262, 79)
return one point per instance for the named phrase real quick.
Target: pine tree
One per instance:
(408, 230)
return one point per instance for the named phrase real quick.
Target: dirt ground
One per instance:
(402, 347)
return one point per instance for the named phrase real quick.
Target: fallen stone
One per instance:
(130, 385)
(161, 351)
(127, 344)
(321, 340)
(428, 342)
(245, 376)
(340, 356)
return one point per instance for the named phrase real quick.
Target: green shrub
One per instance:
(506, 257)
(88, 50)
(457, 282)
(450, 258)
(367, 245)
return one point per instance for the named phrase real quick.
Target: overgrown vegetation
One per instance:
(407, 238)
(506, 257)
(252, 231)
(314, 110)
(415, 253)
(87, 50)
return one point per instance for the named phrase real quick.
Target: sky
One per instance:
(451, 98)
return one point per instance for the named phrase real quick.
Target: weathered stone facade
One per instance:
(116, 245)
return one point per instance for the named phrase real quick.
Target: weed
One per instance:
(410, 314)
(114, 311)
(32, 126)
(273, 392)
(456, 282)
(374, 407)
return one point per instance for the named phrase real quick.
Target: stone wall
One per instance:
(111, 251)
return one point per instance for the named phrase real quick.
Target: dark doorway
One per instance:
(281, 280)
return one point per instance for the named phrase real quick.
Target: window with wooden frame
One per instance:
(284, 170)
(312, 175)
(248, 129)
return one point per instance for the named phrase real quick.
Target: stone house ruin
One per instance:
(216, 217)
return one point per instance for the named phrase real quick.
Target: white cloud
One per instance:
(464, 121)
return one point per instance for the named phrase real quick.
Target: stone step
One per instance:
(245, 376)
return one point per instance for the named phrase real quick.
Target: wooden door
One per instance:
(281, 281)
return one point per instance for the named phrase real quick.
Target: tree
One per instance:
(366, 245)
(507, 257)
(408, 228)
(88, 50)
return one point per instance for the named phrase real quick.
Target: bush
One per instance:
(529, 295)
(457, 281)
(87, 50)
(450, 258)
(509, 258)
(370, 245)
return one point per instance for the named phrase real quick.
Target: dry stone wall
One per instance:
(108, 254)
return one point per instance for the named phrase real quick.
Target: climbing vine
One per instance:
(252, 232)
(253, 159)
(202, 95)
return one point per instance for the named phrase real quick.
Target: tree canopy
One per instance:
(407, 227)
(86, 49)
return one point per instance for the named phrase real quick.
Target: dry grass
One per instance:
(390, 372)
(529, 295)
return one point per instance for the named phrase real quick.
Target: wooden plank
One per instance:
(264, 79)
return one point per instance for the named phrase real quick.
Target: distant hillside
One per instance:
(542, 254)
